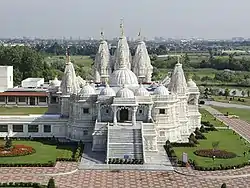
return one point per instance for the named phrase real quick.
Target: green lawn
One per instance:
(44, 153)
(235, 101)
(22, 110)
(206, 116)
(243, 114)
(228, 141)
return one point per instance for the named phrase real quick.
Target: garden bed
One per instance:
(16, 150)
(215, 154)
(48, 151)
(228, 141)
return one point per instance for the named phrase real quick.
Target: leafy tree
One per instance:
(215, 145)
(243, 93)
(226, 92)
(8, 143)
(51, 183)
(186, 60)
(26, 63)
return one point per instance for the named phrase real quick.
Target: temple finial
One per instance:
(102, 34)
(122, 28)
(178, 59)
(139, 35)
(67, 55)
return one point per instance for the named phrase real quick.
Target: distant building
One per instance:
(6, 78)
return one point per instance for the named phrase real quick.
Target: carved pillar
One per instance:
(114, 108)
(134, 109)
(99, 112)
(150, 112)
(10, 129)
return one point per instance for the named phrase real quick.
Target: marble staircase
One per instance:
(125, 141)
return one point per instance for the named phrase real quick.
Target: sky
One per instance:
(211, 19)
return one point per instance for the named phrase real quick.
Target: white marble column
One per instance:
(134, 109)
(40, 129)
(99, 112)
(10, 130)
(115, 115)
(150, 112)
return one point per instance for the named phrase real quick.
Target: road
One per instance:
(227, 105)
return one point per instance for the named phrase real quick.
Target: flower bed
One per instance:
(16, 150)
(221, 154)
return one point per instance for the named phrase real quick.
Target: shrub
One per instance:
(192, 139)
(51, 183)
(201, 102)
(202, 129)
(223, 185)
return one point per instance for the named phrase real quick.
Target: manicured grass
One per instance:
(206, 116)
(243, 114)
(227, 141)
(234, 101)
(22, 110)
(44, 153)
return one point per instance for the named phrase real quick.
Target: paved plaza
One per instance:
(67, 175)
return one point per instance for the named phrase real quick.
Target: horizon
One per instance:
(160, 18)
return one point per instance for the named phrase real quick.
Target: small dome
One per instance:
(141, 91)
(161, 90)
(55, 83)
(122, 77)
(191, 83)
(87, 90)
(81, 82)
(125, 93)
(107, 91)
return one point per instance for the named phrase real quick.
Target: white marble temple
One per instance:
(126, 117)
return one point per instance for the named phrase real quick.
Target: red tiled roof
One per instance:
(24, 94)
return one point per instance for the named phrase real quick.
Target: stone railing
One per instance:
(165, 98)
(143, 147)
(107, 157)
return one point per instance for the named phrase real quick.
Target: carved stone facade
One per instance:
(125, 113)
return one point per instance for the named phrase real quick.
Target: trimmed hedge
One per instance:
(221, 167)
(125, 161)
(22, 184)
(49, 164)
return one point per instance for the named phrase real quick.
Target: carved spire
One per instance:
(178, 60)
(102, 35)
(139, 36)
(67, 55)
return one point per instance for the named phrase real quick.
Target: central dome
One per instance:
(122, 77)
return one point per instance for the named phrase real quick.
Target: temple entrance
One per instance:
(123, 115)
(32, 101)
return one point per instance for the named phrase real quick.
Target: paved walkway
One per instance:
(67, 176)
(238, 125)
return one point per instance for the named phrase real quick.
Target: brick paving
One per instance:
(124, 179)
